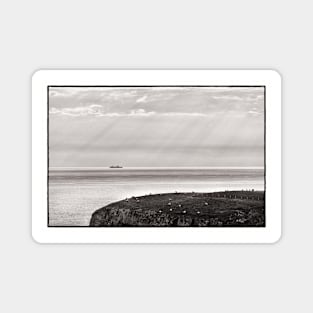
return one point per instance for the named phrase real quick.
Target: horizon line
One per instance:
(157, 167)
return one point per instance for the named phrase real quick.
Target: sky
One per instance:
(156, 126)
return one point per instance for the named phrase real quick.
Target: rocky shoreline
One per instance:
(228, 209)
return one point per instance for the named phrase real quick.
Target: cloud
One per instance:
(157, 102)
(174, 101)
(110, 114)
(132, 113)
(95, 106)
(98, 110)
(94, 109)
(227, 97)
(254, 112)
(142, 99)
(140, 112)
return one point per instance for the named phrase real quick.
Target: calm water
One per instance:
(75, 194)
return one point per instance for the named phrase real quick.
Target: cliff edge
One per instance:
(229, 208)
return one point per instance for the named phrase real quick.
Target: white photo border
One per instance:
(41, 233)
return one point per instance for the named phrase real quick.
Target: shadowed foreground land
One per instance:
(229, 208)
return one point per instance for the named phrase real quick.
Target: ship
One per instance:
(116, 166)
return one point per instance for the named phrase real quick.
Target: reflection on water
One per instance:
(74, 194)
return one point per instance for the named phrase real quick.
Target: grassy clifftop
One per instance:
(229, 208)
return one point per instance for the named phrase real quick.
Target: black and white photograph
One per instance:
(156, 156)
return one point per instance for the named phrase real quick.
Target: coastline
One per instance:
(194, 209)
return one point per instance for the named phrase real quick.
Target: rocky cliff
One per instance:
(184, 209)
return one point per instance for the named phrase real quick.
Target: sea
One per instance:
(75, 193)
